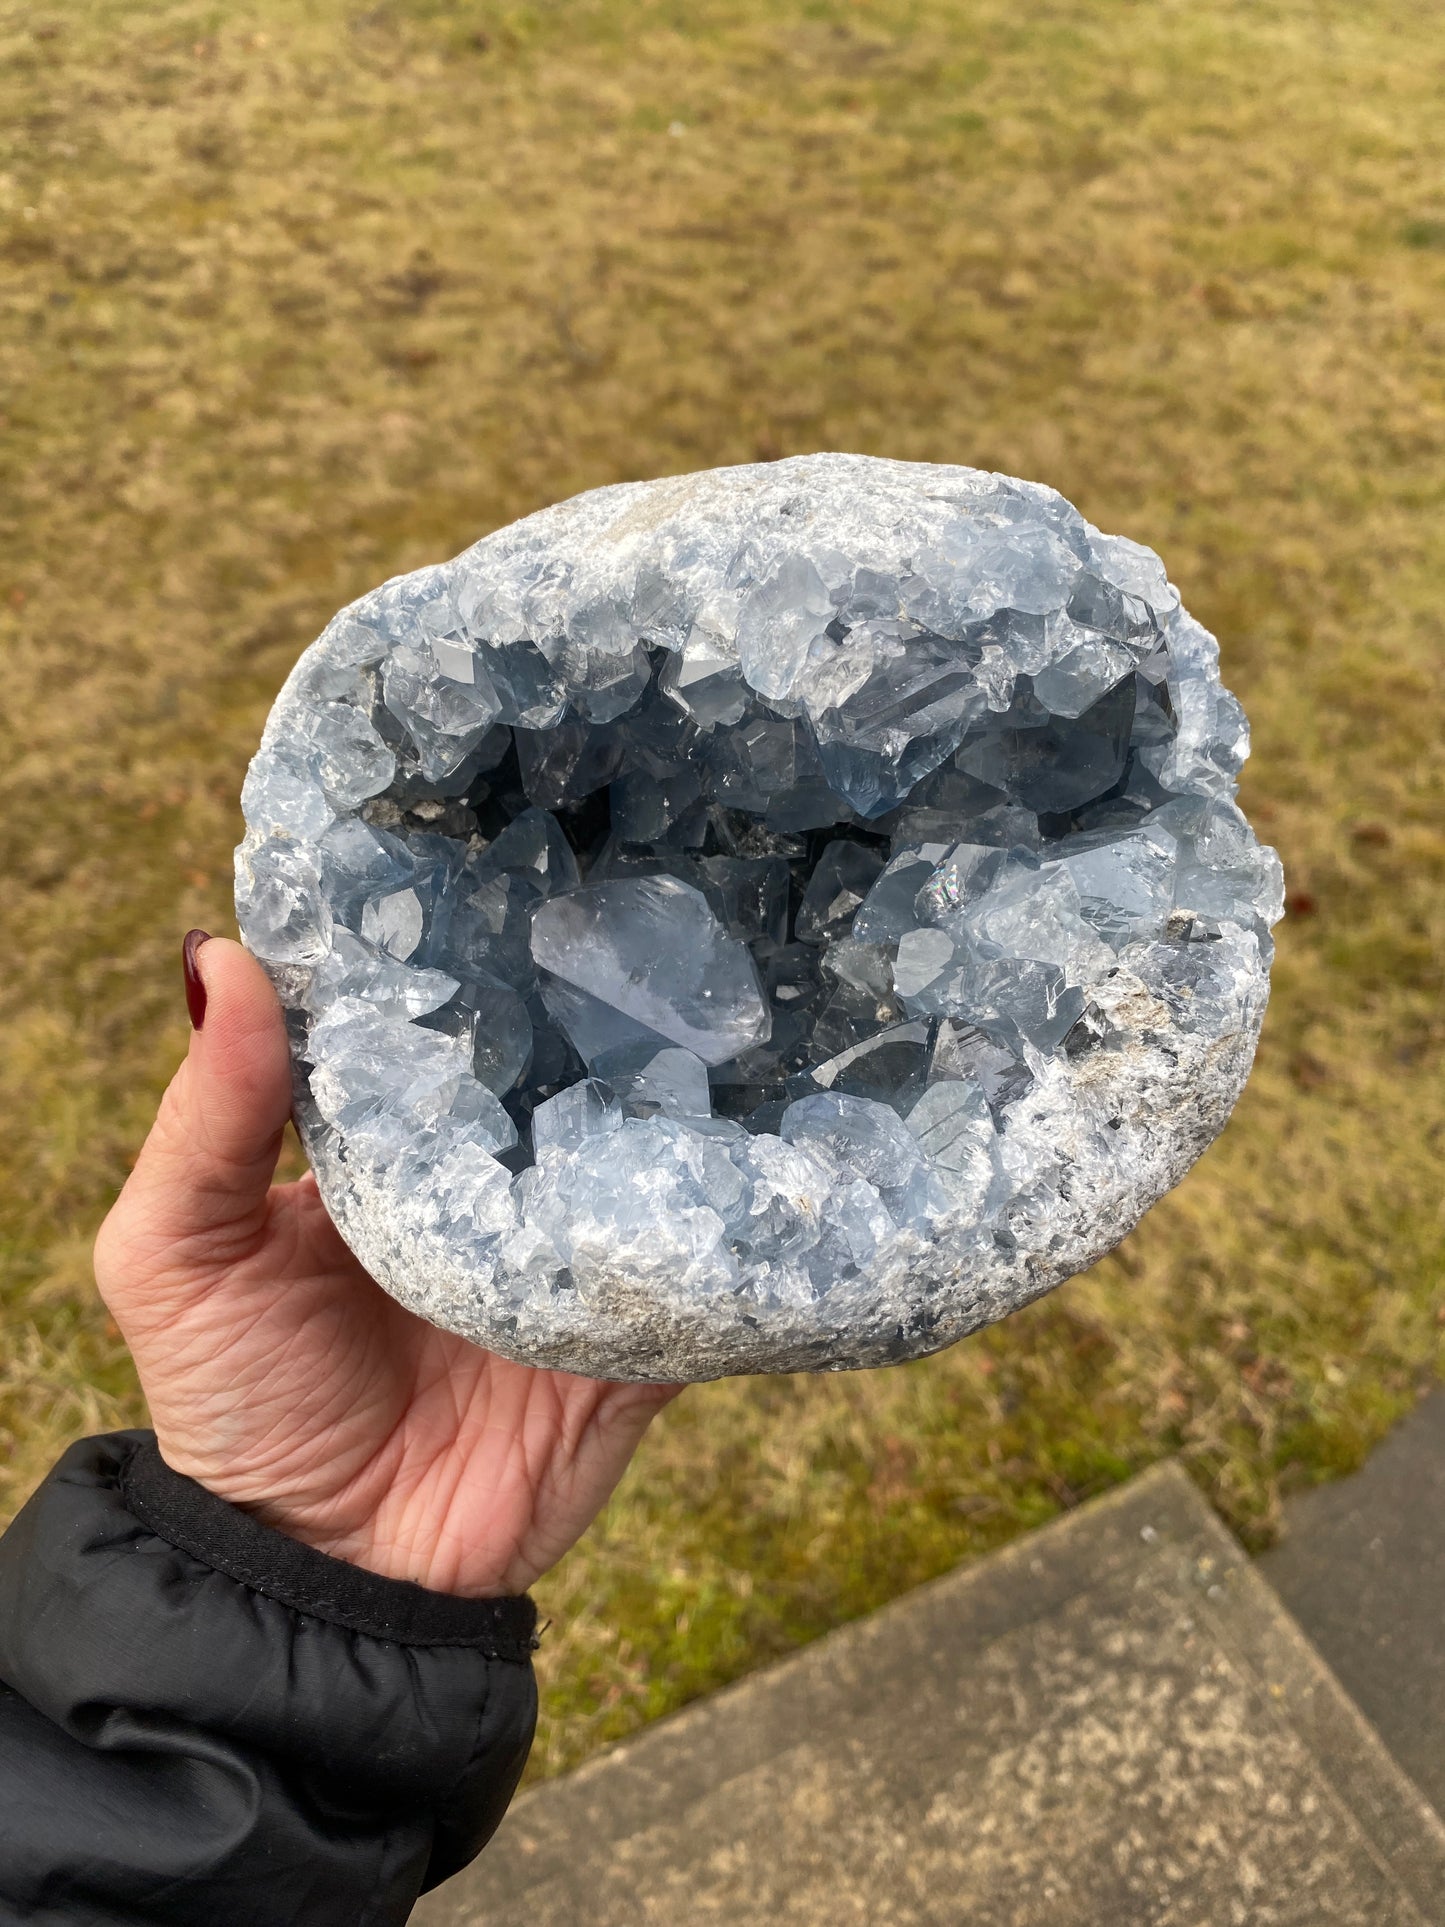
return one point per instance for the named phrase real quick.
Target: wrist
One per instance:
(238, 1541)
(399, 1560)
(348, 1526)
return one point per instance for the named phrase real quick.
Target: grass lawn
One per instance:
(299, 295)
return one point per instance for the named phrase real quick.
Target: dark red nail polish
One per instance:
(195, 989)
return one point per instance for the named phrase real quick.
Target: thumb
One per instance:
(197, 1195)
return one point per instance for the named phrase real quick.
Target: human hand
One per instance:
(285, 1380)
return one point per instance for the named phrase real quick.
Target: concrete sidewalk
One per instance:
(1113, 1722)
(1362, 1568)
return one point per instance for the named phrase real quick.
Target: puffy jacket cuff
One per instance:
(188, 1516)
(203, 1720)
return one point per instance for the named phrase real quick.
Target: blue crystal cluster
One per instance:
(722, 877)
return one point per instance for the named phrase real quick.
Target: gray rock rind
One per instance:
(632, 1279)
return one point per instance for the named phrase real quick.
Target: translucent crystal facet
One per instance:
(776, 918)
(651, 948)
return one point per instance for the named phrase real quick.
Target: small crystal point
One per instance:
(394, 923)
(673, 1083)
(586, 1109)
(955, 1131)
(532, 846)
(841, 879)
(868, 1137)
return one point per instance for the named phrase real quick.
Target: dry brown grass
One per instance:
(297, 300)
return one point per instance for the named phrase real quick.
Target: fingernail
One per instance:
(195, 989)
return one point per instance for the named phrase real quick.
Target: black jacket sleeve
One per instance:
(203, 1721)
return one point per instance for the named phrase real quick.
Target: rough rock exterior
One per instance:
(779, 918)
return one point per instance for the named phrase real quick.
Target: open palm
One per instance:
(285, 1380)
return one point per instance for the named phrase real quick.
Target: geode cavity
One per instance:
(769, 919)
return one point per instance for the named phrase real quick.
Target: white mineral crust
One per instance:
(780, 918)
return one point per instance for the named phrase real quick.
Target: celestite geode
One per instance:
(778, 918)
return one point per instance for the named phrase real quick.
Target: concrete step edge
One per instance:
(1116, 1540)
